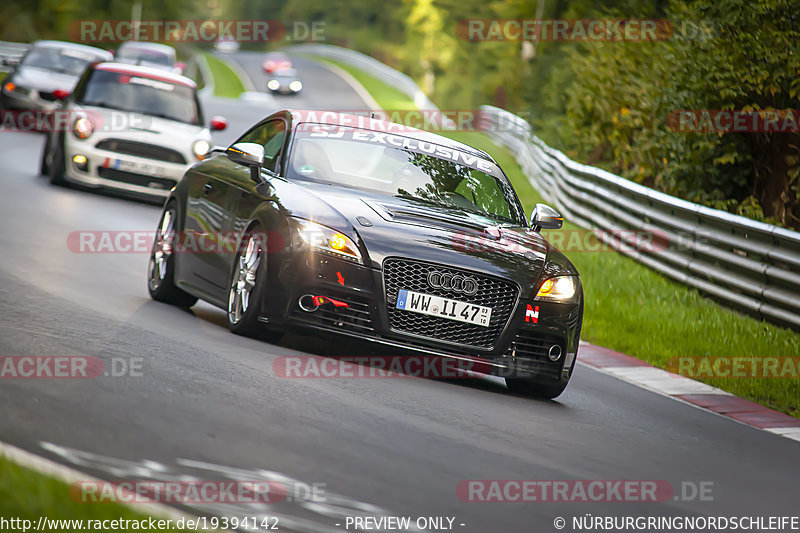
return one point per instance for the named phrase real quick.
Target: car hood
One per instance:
(44, 80)
(391, 226)
(144, 128)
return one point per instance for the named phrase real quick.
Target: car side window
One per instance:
(270, 135)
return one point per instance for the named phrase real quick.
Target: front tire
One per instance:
(161, 267)
(56, 167)
(248, 288)
(534, 389)
(44, 166)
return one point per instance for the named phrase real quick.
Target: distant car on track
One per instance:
(346, 225)
(276, 61)
(132, 129)
(48, 68)
(226, 45)
(161, 56)
(285, 82)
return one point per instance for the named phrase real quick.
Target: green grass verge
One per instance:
(28, 495)
(226, 81)
(633, 309)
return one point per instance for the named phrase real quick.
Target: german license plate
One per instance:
(145, 169)
(428, 304)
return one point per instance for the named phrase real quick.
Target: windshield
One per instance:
(62, 60)
(134, 55)
(139, 94)
(403, 167)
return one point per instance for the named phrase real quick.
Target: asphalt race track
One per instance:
(207, 404)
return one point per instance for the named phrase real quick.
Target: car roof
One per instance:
(74, 46)
(146, 72)
(154, 47)
(360, 121)
(285, 72)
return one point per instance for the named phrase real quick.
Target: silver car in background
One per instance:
(47, 68)
(161, 56)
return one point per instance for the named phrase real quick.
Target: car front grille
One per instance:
(500, 295)
(356, 317)
(135, 179)
(150, 151)
(528, 351)
(49, 97)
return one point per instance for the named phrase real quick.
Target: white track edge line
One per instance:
(69, 475)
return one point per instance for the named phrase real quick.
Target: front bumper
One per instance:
(29, 99)
(522, 349)
(124, 173)
(284, 89)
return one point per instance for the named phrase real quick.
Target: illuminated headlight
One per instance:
(559, 289)
(200, 149)
(295, 86)
(82, 128)
(273, 85)
(328, 240)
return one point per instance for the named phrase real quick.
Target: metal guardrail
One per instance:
(11, 53)
(749, 265)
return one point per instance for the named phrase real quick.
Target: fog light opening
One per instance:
(307, 303)
(555, 352)
(81, 162)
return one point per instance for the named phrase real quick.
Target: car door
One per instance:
(272, 136)
(208, 225)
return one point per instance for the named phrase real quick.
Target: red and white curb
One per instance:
(704, 396)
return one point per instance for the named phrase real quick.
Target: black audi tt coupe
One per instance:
(346, 224)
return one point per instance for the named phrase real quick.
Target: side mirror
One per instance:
(250, 155)
(545, 217)
(180, 66)
(247, 154)
(218, 123)
(60, 94)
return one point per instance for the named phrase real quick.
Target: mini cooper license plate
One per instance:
(428, 304)
(140, 168)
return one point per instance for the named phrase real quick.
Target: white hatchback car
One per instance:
(129, 128)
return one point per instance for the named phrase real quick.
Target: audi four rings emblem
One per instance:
(453, 282)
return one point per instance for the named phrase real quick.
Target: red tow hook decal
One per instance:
(321, 300)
